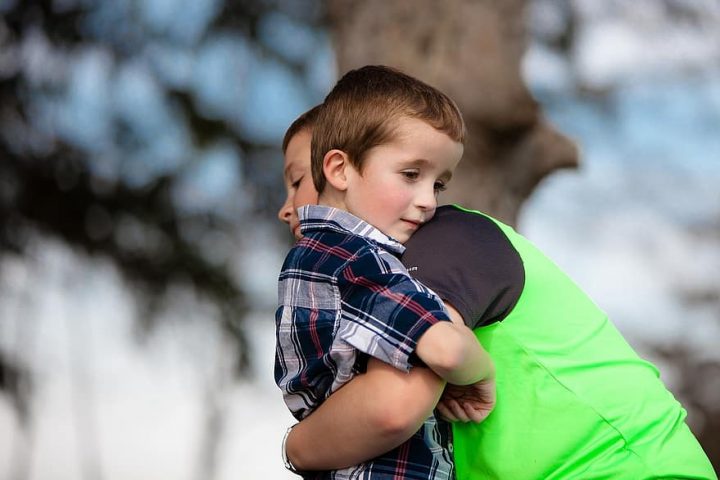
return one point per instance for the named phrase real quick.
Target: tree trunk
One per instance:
(471, 50)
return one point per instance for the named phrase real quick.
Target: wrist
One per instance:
(289, 464)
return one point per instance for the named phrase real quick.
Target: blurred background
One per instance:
(140, 174)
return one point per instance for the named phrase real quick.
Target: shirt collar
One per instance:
(316, 217)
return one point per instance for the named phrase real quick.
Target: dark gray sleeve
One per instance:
(469, 262)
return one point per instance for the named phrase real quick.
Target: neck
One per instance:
(332, 198)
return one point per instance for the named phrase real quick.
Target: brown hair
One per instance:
(362, 110)
(305, 121)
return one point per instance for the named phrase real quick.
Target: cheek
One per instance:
(305, 195)
(386, 186)
(390, 198)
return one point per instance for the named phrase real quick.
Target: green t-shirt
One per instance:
(574, 401)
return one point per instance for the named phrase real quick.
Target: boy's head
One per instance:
(297, 172)
(383, 145)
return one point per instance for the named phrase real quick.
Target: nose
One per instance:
(427, 199)
(286, 211)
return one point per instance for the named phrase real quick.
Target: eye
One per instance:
(439, 187)
(296, 183)
(411, 174)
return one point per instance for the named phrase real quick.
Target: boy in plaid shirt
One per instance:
(384, 145)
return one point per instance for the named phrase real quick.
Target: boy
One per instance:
(407, 397)
(383, 145)
(574, 400)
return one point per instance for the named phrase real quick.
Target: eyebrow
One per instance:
(287, 170)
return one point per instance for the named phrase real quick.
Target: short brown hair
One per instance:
(305, 121)
(362, 109)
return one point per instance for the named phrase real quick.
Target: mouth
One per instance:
(412, 223)
(295, 229)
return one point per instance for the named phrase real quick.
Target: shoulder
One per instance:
(466, 241)
(372, 259)
(469, 260)
(328, 251)
(376, 272)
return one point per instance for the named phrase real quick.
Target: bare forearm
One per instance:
(369, 416)
(470, 362)
(453, 352)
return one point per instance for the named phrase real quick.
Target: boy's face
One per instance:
(298, 180)
(397, 189)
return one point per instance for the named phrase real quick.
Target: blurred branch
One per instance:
(87, 217)
(60, 26)
(15, 383)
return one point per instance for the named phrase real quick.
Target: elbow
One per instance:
(405, 412)
(450, 367)
(446, 348)
(399, 423)
(451, 355)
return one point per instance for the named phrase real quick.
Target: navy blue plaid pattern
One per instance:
(344, 295)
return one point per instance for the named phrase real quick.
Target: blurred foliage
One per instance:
(122, 177)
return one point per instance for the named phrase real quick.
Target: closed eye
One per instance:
(439, 187)
(296, 183)
(411, 174)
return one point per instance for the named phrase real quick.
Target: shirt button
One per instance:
(450, 447)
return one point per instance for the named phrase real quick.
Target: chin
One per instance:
(402, 238)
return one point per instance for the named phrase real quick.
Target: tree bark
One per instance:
(471, 50)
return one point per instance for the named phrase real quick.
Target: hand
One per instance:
(468, 403)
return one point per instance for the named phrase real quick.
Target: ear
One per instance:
(335, 164)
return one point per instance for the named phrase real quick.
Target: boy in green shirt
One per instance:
(573, 399)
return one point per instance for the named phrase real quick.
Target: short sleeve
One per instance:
(384, 310)
(468, 260)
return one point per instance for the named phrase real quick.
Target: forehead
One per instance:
(405, 128)
(300, 140)
(297, 154)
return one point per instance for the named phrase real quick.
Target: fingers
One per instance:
(454, 411)
(458, 411)
(466, 404)
(475, 414)
(445, 412)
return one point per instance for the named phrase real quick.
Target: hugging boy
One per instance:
(575, 401)
(384, 145)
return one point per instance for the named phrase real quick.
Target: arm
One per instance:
(413, 321)
(380, 410)
(451, 350)
(369, 416)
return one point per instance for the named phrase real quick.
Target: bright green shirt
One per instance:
(574, 401)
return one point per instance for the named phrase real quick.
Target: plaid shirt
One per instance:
(344, 296)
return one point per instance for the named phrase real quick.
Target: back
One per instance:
(573, 399)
